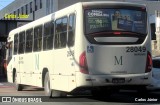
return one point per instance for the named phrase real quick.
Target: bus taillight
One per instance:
(148, 63)
(83, 63)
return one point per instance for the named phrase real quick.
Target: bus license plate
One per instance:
(118, 80)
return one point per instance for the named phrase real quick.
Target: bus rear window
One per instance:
(110, 20)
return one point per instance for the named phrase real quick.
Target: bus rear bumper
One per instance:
(129, 79)
(112, 80)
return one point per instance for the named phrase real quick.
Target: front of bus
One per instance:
(118, 49)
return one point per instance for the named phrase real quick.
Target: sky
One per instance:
(4, 3)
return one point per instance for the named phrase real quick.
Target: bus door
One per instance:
(70, 52)
(16, 63)
(9, 60)
(60, 54)
(21, 59)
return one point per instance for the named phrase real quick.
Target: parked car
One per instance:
(155, 74)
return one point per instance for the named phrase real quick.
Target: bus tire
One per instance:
(19, 87)
(51, 92)
(47, 88)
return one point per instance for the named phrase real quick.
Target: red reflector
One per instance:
(117, 33)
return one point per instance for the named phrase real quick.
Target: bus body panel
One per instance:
(114, 60)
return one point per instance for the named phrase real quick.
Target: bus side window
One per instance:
(37, 38)
(15, 44)
(71, 30)
(48, 36)
(21, 42)
(29, 40)
(60, 33)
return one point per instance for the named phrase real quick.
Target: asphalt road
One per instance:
(124, 97)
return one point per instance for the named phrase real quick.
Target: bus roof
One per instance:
(112, 3)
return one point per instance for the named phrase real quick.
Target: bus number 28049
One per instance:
(136, 49)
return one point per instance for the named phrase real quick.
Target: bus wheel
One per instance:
(19, 87)
(47, 89)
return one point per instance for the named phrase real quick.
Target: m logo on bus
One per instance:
(118, 61)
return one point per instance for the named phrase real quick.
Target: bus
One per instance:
(96, 46)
